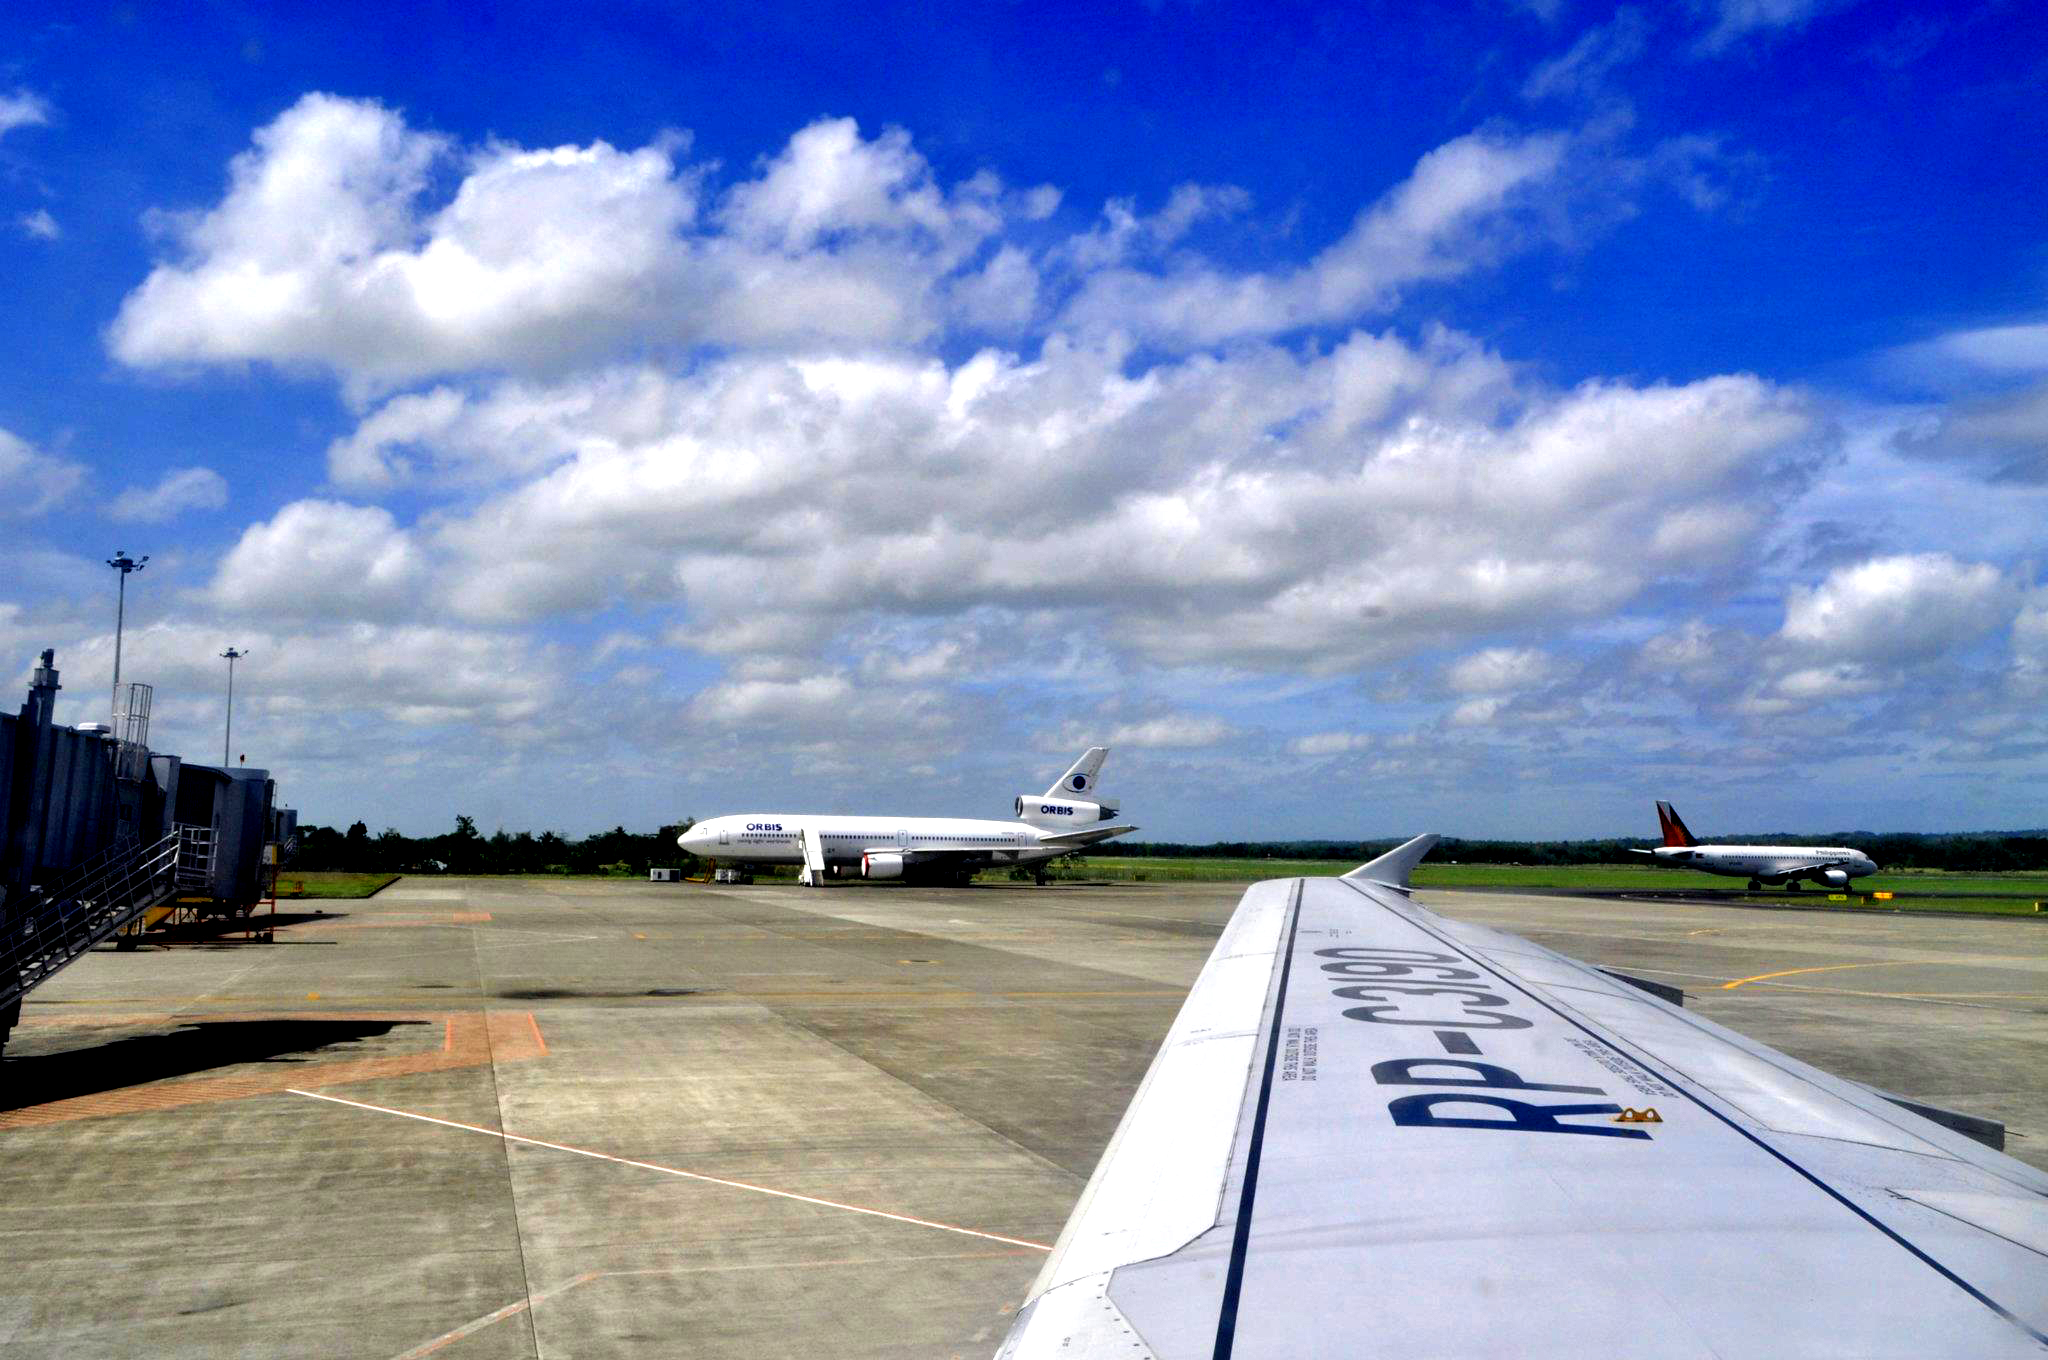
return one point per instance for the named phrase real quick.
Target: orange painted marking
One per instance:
(445, 918)
(677, 1171)
(472, 1040)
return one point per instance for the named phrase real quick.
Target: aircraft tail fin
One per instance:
(1674, 829)
(1394, 867)
(1079, 780)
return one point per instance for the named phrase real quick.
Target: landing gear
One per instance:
(1792, 885)
(1039, 876)
(1756, 885)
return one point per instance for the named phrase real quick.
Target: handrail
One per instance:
(54, 928)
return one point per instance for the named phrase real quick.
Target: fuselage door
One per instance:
(725, 835)
(902, 840)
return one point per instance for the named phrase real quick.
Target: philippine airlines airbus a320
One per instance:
(1066, 817)
(1831, 866)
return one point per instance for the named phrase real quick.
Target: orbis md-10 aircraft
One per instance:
(1831, 866)
(1377, 1131)
(1065, 818)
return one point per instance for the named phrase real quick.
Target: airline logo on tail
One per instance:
(1675, 833)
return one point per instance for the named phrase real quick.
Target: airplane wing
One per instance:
(1087, 836)
(1374, 1130)
(1812, 868)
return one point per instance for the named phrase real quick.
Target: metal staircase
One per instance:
(48, 929)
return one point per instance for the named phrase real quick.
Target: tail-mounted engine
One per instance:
(1064, 813)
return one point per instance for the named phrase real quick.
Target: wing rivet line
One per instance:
(1647, 1115)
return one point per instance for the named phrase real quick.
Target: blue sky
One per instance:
(1487, 417)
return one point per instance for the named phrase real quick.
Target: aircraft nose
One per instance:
(694, 839)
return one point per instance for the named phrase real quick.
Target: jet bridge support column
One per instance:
(814, 857)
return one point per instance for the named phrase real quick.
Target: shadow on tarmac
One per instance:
(199, 1047)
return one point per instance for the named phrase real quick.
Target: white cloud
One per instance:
(1316, 510)
(1170, 732)
(1500, 670)
(1584, 67)
(328, 251)
(1454, 213)
(31, 481)
(320, 254)
(1901, 609)
(1734, 19)
(182, 489)
(1331, 743)
(324, 559)
(23, 109)
(2021, 348)
(40, 225)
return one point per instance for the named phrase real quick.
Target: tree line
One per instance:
(1973, 851)
(465, 850)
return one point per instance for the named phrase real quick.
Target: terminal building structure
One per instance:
(100, 837)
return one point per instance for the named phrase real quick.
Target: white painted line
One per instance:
(478, 1324)
(674, 1171)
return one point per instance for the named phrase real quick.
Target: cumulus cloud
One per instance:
(321, 254)
(1893, 610)
(31, 481)
(323, 559)
(40, 225)
(1293, 510)
(754, 424)
(329, 250)
(182, 489)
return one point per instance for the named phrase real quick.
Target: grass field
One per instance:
(293, 885)
(1923, 890)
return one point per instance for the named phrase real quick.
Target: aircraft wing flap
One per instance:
(1434, 1148)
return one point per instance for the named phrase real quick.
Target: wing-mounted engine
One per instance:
(1065, 814)
(881, 864)
(1833, 878)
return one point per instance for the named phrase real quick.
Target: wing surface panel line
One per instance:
(1685, 1088)
(1233, 1284)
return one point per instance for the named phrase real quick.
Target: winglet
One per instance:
(1394, 867)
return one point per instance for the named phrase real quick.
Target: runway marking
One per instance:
(384, 920)
(470, 1040)
(677, 1171)
(476, 1325)
(1826, 968)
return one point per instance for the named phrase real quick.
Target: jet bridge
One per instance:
(97, 834)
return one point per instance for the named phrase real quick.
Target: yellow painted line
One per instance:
(1829, 968)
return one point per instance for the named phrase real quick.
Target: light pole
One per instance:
(228, 737)
(124, 564)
